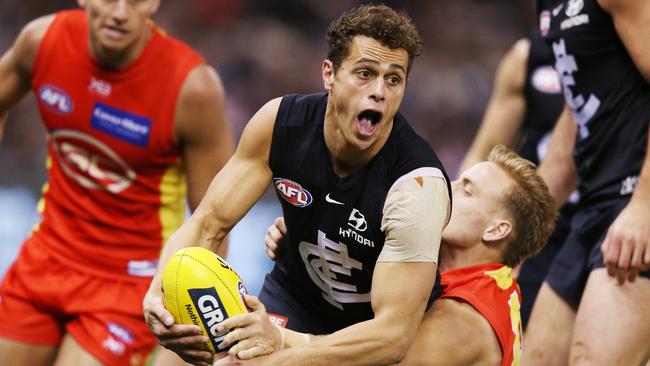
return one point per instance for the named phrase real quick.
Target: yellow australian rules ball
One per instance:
(200, 288)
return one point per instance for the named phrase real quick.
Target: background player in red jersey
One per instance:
(136, 120)
(502, 214)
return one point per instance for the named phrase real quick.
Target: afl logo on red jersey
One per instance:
(55, 99)
(292, 192)
(91, 163)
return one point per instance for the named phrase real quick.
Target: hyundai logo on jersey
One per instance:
(292, 192)
(121, 125)
(55, 99)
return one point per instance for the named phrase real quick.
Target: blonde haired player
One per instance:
(125, 146)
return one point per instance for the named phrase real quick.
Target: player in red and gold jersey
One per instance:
(136, 123)
(502, 213)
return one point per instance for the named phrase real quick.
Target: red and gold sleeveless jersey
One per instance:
(491, 290)
(116, 188)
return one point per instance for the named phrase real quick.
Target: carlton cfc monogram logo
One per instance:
(292, 192)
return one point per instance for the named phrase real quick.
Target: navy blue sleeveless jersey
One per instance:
(333, 223)
(609, 98)
(544, 101)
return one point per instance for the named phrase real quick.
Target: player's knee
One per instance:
(583, 355)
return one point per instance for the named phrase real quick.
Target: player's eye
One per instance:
(364, 74)
(394, 80)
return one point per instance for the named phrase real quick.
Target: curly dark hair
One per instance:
(390, 28)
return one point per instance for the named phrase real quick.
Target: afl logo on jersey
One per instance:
(292, 192)
(91, 163)
(55, 99)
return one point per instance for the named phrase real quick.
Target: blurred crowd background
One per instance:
(268, 48)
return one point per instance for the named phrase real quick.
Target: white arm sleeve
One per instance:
(415, 212)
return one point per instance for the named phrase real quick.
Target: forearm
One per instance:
(373, 342)
(399, 296)
(558, 167)
(199, 230)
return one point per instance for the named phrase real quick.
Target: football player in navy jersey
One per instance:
(593, 307)
(364, 197)
(476, 321)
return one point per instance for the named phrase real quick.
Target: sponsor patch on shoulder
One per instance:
(122, 125)
(292, 192)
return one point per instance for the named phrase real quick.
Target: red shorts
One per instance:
(42, 299)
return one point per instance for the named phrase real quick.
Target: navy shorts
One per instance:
(581, 252)
(279, 301)
(534, 269)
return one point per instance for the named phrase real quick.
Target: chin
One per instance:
(363, 145)
(115, 46)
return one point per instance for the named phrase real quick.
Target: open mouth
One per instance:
(367, 122)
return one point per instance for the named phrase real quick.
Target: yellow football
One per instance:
(201, 288)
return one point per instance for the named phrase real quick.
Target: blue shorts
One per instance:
(581, 252)
(279, 301)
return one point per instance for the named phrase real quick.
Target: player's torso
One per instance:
(115, 177)
(609, 98)
(492, 291)
(333, 223)
(544, 101)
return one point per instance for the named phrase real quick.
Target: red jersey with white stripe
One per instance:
(491, 290)
(116, 188)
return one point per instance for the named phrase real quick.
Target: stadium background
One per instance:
(267, 48)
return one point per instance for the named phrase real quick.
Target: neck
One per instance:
(346, 156)
(116, 60)
(452, 257)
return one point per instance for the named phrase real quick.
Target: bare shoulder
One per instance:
(262, 123)
(200, 108)
(29, 40)
(517, 57)
(202, 85)
(520, 49)
(635, 7)
(473, 331)
(457, 334)
(511, 74)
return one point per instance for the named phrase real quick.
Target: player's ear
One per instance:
(496, 231)
(81, 3)
(328, 74)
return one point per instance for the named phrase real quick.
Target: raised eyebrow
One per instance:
(375, 62)
(398, 66)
